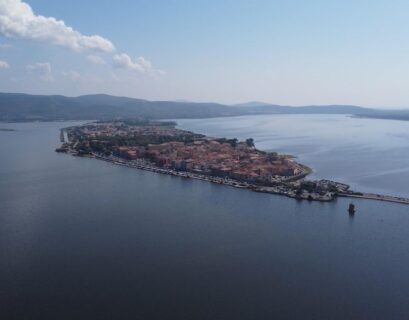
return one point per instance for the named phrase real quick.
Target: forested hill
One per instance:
(22, 107)
(25, 107)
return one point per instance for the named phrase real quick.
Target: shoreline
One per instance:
(277, 190)
(293, 186)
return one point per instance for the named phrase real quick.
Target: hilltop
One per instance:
(26, 107)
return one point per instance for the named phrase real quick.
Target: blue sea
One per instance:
(85, 239)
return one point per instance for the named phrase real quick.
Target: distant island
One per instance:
(17, 107)
(159, 146)
(6, 129)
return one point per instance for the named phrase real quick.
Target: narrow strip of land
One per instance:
(372, 196)
(160, 147)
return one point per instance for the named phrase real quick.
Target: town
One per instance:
(161, 147)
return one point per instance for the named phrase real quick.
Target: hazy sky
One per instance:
(285, 52)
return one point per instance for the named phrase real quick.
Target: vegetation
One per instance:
(24, 107)
(250, 142)
(141, 140)
(232, 142)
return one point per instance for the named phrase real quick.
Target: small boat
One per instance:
(351, 208)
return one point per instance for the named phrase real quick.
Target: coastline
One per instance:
(143, 165)
(244, 185)
(292, 186)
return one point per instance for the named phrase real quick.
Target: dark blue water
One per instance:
(84, 239)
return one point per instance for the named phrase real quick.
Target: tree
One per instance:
(250, 142)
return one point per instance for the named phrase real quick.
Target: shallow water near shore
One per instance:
(85, 239)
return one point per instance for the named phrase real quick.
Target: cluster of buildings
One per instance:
(120, 129)
(197, 154)
(160, 147)
(212, 157)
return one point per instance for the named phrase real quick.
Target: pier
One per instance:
(372, 196)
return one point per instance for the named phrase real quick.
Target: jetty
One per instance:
(372, 196)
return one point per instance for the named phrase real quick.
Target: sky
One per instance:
(292, 52)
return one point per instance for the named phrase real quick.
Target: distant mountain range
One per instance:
(26, 107)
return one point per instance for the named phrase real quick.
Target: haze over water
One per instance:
(85, 239)
(369, 154)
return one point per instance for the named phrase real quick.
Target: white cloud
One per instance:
(124, 61)
(72, 75)
(141, 64)
(95, 59)
(41, 69)
(17, 20)
(4, 65)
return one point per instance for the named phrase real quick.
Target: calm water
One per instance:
(84, 239)
(369, 154)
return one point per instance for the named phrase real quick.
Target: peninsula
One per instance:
(159, 146)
